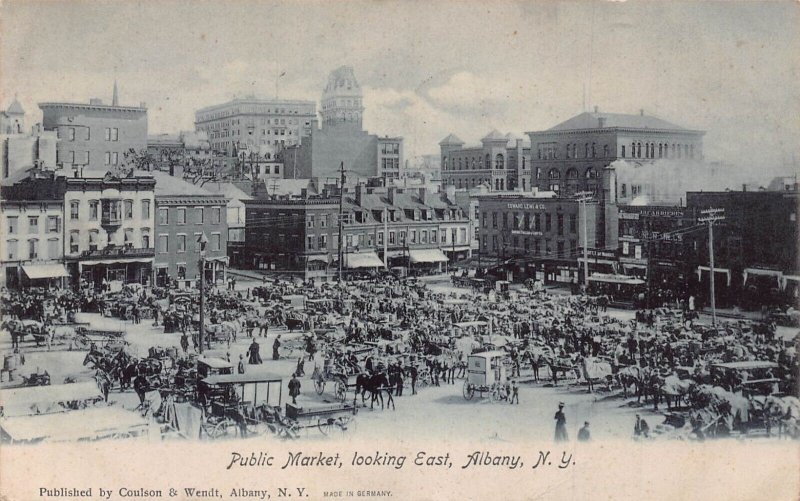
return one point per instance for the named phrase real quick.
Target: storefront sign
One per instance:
(526, 232)
(522, 205)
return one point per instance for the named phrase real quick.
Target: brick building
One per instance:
(184, 212)
(95, 136)
(501, 162)
(412, 228)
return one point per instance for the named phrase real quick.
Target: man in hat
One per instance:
(641, 429)
(275, 346)
(583, 434)
(240, 368)
(514, 392)
(254, 357)
(294, 388)
(561, 424)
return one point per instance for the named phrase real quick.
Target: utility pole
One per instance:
(202, 240)
(649, 258)
(711, 216)
(386, 238)
(583, 197)
(341, 220)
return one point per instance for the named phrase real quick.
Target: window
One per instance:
(88, 136)
(114, 158)
(73, 242)
(199, 215)
(547, 222)
(93, 206)
(434, 236)
(310, 222)
(494, 220)
(181, 272)
(74, 210)
(128, 236)
(560, 224)
(196, 241)
(163, 244)
(498, 162)
(115, 134)
(413, 236)
(463, 239)
(181, 216)
(71, 133)
(12, 225)
(423, 237)
(310, 242)
(537, 222)
(623, 151)
(53, 224)
(181, 243)
(322, 242)
(623, 190)
(573, 223)
(145, 238)
(216, 215)
(323, 220)
(108, 134)
(94, 240)
(107, 158)
(145, 209)
(163, 216)
(392, 238)
(12, 249)
(33, 224)
(128, 209)
(33, 248)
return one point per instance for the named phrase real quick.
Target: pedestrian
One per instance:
(300, 371)
(561, 424)
(399, 380)
(184, 342)
(240, 368)
(275, 346)
(413, 373)
(514, 392)
(254, 357)
(583, 433)
(641, 429)
(452, 370)
(294, 388)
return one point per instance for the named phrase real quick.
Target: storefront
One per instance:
(44, 275)
(429, 260)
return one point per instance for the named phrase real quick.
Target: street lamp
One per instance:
(203, 241)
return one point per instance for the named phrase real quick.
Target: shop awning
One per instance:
(218, 259)
(427, 256)
(363, 260)
(726, 271)
(318, 257)
(785, 280)
(122, 260)
(37, 271)
(395, 253)
(615, 279)
(757, 271)
(634, 266)
(593, 260)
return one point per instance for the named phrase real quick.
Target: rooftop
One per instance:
(167, 185)
(592, 120)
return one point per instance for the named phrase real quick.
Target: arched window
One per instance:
(474, 166)
(638, 150)
(622, 153)
(488, 162)
(572, 173)
(498, 161)
(591, 173)
(586, 150)
(679, 151)
(605, 151)
(459, 164)
(554, 174)
(660, 150)
(691, 151)
(594, 152)
(686, 150)
(633, 150)
(569, 151)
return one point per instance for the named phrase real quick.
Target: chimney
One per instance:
(601, 122)
(360, 188)
(115, 96)
(744, 187)
(390, 193)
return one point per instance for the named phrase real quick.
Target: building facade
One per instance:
(184, 212)
(253, 123)
(12, 120)
(32, 217)
(20, 151)
(95, 136)
(410, 228)
(502, 162)
(572, 155)
(342, 139)
(541, 237)
(235, 217)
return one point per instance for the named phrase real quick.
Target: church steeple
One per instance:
(115, 96)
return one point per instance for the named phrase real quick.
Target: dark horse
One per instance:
(375, 384)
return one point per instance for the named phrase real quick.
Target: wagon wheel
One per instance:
(340, 390)
(345, 423)
(325, 425)
(469, 390)
(287, 430)
(319, 385)
(226, 428)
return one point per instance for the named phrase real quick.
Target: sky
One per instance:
(429, 68)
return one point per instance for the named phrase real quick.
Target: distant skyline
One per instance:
(429, 68)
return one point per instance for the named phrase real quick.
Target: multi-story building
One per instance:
(171, 152)
(541, 235)
(184, 212)
(109, 228)
(31, 214)
(411, 228)
(19, 152)
(341, 139)
(253, 123)
(573, 155)
(235, 211)
(501, 162)
(96, 136)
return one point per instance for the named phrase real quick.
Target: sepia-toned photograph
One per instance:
(425, 250)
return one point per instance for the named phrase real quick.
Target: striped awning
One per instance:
(37, 271)
(427, 256)
(363, 260)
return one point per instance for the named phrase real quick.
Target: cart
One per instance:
(341, 377)
(328, 418)
(486, 373)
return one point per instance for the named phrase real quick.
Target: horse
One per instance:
(294, 323)
(675, 390)
(98, 361)
(375, 384)
(14, 327)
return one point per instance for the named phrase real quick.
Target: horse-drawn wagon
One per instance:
(486, 373)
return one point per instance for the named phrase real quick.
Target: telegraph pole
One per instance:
(583, 197)
(710, 217)
(202, 240)
(341, 220)
(386, 238)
